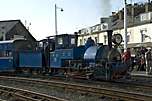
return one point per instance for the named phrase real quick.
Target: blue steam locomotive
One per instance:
(60, 55)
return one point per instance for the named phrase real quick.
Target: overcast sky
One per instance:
(77, 14)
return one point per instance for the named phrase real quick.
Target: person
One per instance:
(148, 57)
(142, 63)
(90, 42)
(126, 57)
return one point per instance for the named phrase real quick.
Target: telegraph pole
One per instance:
(56, 32)
(125, 25)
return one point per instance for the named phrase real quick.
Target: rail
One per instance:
(27, 95)
(113, 93)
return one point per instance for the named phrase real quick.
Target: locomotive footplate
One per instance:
(80, 75)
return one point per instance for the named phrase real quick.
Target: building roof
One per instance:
(7, 25)
(119, 24)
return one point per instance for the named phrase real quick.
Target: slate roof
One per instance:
(7, 25)
(119, 24)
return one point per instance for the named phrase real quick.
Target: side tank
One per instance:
(102, 52)
(105, 62)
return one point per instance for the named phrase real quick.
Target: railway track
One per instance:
(101, 91)
(134, 83)
(25, 95)
(142, 78)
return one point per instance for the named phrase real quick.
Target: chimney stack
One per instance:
(148, 1)
(147, 7)
(132, 12)
(120, 14)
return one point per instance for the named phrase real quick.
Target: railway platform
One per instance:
(140, 74)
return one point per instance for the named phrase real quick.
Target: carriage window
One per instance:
(72, 40)
(5, 54)
(60, 41)
(8, 53)
(1, 54)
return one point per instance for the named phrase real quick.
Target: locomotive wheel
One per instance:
(88, 77)
(114, 76)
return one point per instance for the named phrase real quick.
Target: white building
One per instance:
(139, 28)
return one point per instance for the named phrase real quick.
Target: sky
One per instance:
(77, 14)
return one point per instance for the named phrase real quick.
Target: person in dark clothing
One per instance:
(148, 57)
(90, 42)
(142, 63)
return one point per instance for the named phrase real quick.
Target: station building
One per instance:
(139, 26)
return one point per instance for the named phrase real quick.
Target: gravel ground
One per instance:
(58, 92)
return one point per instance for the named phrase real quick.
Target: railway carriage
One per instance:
(30, 61)
(9, 53)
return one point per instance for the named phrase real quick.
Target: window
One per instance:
(105, 39)
(143, 33)
(96, 40)
(72, 40)
(60, 41)
(8, 53)
(5, 54)
(128, 36)
(84, 41)
(80, 41)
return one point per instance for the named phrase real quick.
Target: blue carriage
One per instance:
(6, 56)
(9, 53)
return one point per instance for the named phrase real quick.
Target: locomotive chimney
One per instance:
(109, 34)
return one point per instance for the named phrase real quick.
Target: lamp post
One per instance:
(125, 25)
(56, 31)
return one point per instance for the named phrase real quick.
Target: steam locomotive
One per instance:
(60, 56)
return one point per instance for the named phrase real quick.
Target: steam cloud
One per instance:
(105, 7)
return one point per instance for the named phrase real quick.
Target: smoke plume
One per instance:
(105, 7)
